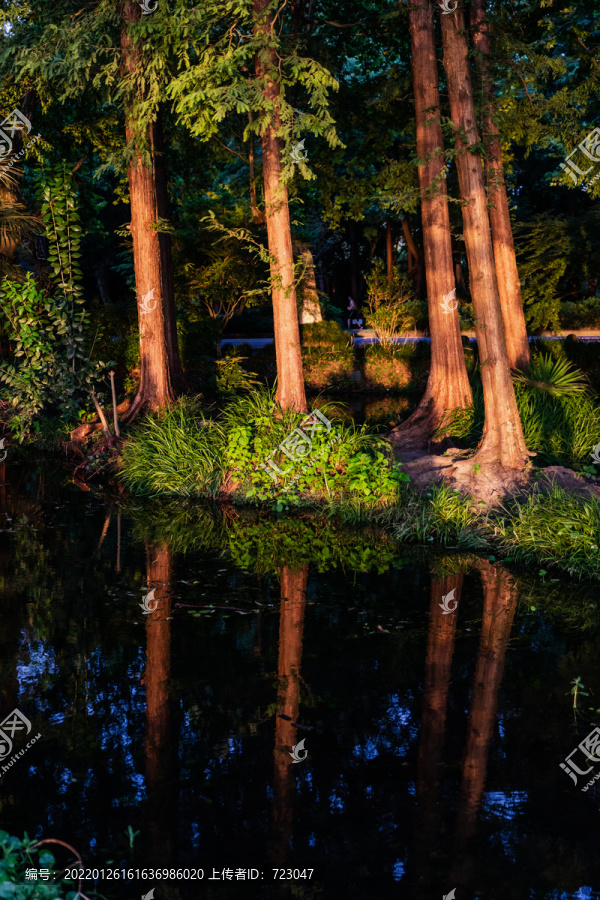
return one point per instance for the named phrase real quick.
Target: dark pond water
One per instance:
(432, 742)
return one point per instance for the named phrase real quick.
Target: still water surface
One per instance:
(433, 741)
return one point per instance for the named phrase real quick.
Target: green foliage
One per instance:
(175, 451)
(50, 368)
(60, 215)
(555, 377)
(348, 460)
(555, 529)
(19, 855)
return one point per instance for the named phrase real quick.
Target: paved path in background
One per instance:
(364, 338)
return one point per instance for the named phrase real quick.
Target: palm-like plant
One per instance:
(558, 378)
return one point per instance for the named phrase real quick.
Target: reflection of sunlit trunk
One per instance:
(159, 766)
(499, 603)
(291, 625)
(440, 647)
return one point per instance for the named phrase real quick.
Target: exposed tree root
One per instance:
(490, 484)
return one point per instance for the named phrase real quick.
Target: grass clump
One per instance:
(444, 516)
(555, 529)
(177, 451)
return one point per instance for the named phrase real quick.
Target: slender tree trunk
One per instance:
(412, 252)
(503, 443)
(161, 376)
(290, 374)
(507, 274)
(448, 386)
(310, 310)
(388, 250)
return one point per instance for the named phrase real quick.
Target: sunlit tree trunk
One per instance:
(448, 386)
(499, 604)
(161, 376)
(507, 274)
(291, 626)
(502, 443)
(290, 375)
(310, 310)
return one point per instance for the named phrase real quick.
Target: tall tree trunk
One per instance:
(448, 386)
(166, 253)
(161, 376)
(502, 443)
(507, 274)
(291, 627)
(290, 374)
(388, 250)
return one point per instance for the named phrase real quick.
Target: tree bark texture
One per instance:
(448, 385)
(290, 374)
(502, 443)
(161, 375)
(507, 274)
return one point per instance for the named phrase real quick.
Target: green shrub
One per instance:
(583, 314)
(324, 334)
(20, 855)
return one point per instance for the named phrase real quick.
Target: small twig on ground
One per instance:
(114, 400)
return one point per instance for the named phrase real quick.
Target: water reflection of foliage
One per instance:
(264, 543)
